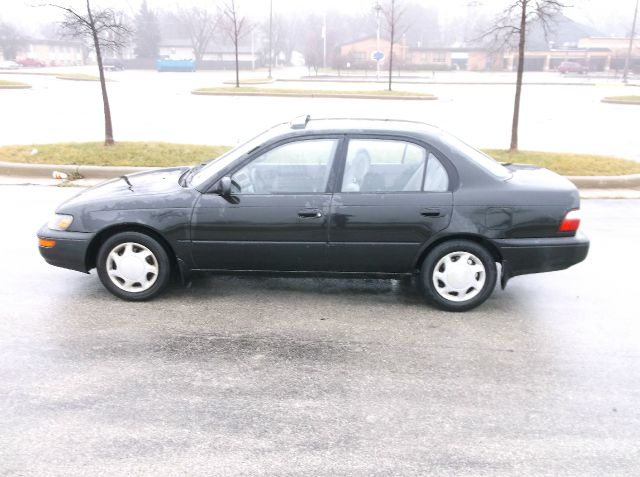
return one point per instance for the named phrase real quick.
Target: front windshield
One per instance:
(487, 163)
(216, 165)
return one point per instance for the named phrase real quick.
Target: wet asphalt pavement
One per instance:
(271, 376)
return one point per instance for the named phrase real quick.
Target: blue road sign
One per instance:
(377, 55)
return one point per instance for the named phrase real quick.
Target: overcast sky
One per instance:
(593, 12)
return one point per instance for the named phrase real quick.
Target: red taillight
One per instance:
(571, 221)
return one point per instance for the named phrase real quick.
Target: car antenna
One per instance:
(300, 122)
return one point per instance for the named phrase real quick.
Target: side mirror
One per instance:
(224, 186)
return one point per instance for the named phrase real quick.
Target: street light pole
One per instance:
(377, 8)
(627, 62)
(270, 36)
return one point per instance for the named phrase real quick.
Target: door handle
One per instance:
(310, 213)
(431, 213)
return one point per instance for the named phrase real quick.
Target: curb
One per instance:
(107, 172)
(315, 95)
(87, 80)
(619, 101)
(46, 170)
(15, 86)
(429, 82)
(606, 182)
(249, 82)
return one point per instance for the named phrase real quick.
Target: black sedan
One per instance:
(327, 197)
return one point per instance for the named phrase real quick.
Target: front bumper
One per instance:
(536, 255)
(70, 250)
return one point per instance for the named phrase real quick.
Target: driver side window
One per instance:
(300, 167)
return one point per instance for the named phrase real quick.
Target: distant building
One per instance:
(454, 58)
(358, 54)
(53, 52)
(597, 53)
(215, 56)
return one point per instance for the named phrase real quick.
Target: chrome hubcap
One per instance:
(132, 267)
(459, 276)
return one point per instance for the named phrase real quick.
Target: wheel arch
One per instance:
(479, 239)
(106, 233)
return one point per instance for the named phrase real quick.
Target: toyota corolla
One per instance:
(327, 197)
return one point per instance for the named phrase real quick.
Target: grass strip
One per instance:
(570, 164)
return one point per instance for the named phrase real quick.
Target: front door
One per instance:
(394, 195)
(277, 216)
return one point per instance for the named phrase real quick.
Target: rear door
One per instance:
(393, 196)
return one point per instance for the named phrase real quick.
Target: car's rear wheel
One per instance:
(133, 266)
(458, 275)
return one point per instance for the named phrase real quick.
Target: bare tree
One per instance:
(200, 24)
(311, 43)
(313, 54)
(237, 26)
(513, 23)
(394, 14)
(147, 34)
(105, 29)
(10, 40)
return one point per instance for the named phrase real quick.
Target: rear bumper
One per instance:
(536, 255)
(70, 250)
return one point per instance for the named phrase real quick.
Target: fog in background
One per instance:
(609, 17)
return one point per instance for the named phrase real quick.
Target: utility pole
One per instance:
(270, 36)
(377, 8)
(627, 62)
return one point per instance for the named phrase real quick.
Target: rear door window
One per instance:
(436, 178)
(381, 165)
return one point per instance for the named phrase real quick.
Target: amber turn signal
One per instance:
(46, 243)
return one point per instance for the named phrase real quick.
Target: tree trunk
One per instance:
(235, 44)
(198, 54)
(108, 126)
(516, 104)
(393, 31)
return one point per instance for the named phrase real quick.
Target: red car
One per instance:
(31, 62)
(572, 67)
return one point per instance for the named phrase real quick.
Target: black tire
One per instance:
(452, 247)
(160, 260)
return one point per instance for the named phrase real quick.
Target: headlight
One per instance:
(60, 222)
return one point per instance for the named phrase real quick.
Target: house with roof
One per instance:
(53, 52)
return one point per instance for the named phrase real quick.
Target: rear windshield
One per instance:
(480, 158)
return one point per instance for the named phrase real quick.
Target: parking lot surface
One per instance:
(274, 376)
(152, 106)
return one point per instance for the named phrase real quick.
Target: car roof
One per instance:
(355, 124)
(307, 124)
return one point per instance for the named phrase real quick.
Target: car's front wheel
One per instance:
(458, 275)
(133, 266)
